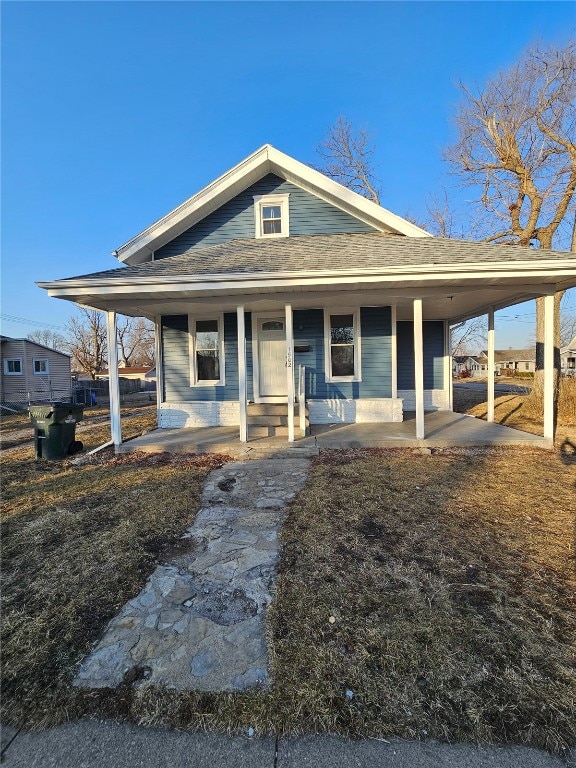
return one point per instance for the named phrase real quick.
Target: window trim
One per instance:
(355, 312)
(194, 381)
(13, 373)
(282, 200)
(41, 360)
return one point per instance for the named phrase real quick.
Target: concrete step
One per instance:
(271, 421)
(256, 431)
(270, 409)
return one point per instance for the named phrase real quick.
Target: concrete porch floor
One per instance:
(443, 429)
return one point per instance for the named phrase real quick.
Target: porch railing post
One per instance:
(290, 371)
(419, 368)
(242, 395)
(491, 364)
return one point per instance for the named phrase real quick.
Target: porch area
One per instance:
(442, 429)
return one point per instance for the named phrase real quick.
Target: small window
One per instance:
(207, 351)
(271, 220)
(41, 366)
(13, 366)
(272, 215)
(343, 338)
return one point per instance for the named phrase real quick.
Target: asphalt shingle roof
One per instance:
(324, 253)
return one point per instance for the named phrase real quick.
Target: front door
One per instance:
(272, 358)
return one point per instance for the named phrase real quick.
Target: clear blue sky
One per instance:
(115, 112)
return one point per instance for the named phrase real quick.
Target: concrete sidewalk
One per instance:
(94, 744)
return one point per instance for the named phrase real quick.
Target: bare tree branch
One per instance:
(348, 157)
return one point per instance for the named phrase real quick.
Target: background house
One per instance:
(137, 373)
(32, 372)
(515, 360)
(568, 358)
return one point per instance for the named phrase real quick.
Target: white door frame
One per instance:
(256, 320)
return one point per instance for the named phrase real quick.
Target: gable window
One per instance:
(342, 337)
(206, 351)
(13, 366)
(272, 215)
(41, 365)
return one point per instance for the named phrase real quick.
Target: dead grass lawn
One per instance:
(450, 579)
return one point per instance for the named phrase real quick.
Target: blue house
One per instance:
(283, 300)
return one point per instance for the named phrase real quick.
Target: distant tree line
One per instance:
(85, 340)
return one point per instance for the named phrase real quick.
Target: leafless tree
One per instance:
(348, 159)
(516, 148)
(136, 341)
(567, 327)
(50, 339)
(468, 338)
(86, 341)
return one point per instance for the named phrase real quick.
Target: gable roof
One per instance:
(6, 339)
(265, 160)
(570, 347)
(512, 355)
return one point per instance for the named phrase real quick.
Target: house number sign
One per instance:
(289, 359)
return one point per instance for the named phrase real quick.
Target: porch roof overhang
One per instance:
(455, 279)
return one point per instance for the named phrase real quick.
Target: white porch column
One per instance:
(490, 414)
(159, 362)
(394, 350)
(242, 396)
(549, 367)
(113, 380)
(290, 371)
(447, 367)
(419, 368)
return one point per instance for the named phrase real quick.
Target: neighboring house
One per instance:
(458, 364)
(32, 372)
(568, 358)
(516, 360)
(275, 283)
(473, 364)
(132, 373)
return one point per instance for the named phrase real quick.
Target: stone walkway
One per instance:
(198, 623)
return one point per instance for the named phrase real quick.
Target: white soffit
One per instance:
(265, 160)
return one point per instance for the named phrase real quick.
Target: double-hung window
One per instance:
(272, 215)
(342, 338)
(206, 351)
(13, 366)
(41, 366)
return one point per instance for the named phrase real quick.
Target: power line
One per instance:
(26, 321)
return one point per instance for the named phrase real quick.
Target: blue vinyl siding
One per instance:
(309, 215)
(176, 361)
(433, 333)
(376, 381)
(309, 330)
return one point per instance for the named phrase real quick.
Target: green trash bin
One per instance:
(55, 429)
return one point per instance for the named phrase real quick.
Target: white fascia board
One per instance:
(437, 272)
(265, 160)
